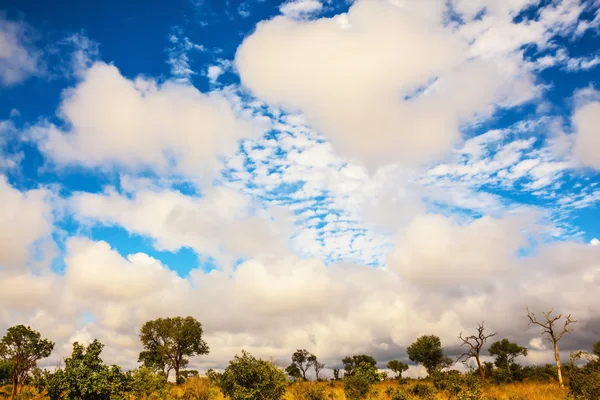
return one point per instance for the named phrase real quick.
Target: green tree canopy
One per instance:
(249, 378)
(22, 348)
(86, 377)
(398, 367)
(427, 351)
(301, 361)
(144, 382)
(596, 349)
(293, 371)
(168, 342)
(506, 352)
(358, 383)
(317, 366)
(351, 363)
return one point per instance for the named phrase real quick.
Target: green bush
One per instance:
(396, 393)
(359, 382)
(144, 382)
(249, 378)
(86, 377)
(423, 391)
(584, 382)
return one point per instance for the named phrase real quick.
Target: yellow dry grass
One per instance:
(201, 389)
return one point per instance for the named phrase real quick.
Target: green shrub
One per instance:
(359, 382)
(249, 378)
(144, 382)
(423, 391)
(584, 382)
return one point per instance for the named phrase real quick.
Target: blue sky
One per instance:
(272, 141)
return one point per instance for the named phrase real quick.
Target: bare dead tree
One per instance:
(474, 344)
(553, 333)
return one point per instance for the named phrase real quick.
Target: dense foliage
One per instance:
(86, 377)
(250, 378)
(169, 342)
(22, 348)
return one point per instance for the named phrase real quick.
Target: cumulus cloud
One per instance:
(25, 220)
(274, 306)
(110, 120)
(223, 223)
(585, 121)
(443, 250)
(376, 98)
(300, 8)
(18, 58)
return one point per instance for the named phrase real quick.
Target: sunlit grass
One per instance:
(202, 389)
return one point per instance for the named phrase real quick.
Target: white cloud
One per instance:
(221, 223)
(434, 250)
(595, 242)
(274, 307)
(170, 127)
(213, 73)
(18, 58)
(300, 8)
(178, 56)
(356, 98)
(586, 119)
(25, 218)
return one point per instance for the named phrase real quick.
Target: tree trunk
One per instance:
(177, 374)
(481, 370)
(15, 383)
(557, 358)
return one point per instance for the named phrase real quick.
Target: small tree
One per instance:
(596, 349)
(358, 383)
(553, 333)
(474, 344)
(294, 372)
(398, 367)
(22, 348)
(247, 378)
(300, 360)
(506, 352)
(427, 351)
(312, 361)
(168, 342)
(86, 377)
(351, 363)
(145, 381)
(336, 374)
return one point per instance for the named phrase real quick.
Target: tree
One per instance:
(294, 372)
(300, 360)
(336, 374)
(474, 345)
(427, 351)
(145, 381)
(351, 363)
(312, 361)
(249, 378)
(168, 342)
(596, 349)
(553, 334)
(5, 371)
(506, 352)
(23, 347)
(86, 377)
(398, 367)
(358, 383)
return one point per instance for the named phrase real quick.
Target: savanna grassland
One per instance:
(203, 389)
